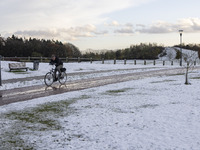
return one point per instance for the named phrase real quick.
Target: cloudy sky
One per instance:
(103, 24)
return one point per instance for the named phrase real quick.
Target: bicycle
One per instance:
(49, 77)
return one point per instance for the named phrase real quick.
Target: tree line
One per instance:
(194, 47)
(22, 47)
(140, 51)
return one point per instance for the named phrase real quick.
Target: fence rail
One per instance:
(102, 61)
(44, 59)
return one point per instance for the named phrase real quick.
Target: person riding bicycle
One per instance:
(58, 63)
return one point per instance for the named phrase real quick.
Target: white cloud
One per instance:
(124, 31)
(62, 19)
(72, 33)
(190, 25)
(121, 28)
(129, 25)
(141, 25)
(34, 14)
(36, 33)
(112, 24)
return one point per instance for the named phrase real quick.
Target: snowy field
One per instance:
(149, 114)
(172, 51)
(107, 69)
(77, 67)
(98, 66)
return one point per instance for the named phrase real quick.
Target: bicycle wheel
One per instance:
(63, 78)
(48, 79)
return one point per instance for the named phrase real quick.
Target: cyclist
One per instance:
(58, 63)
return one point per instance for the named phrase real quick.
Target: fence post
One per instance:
(124, 61)
(163, 63)
(195, 63)
(102, 60)
(154, 62)
(41, 59)
(3, 58)
(29, 58)
(135, 62)
(145, 62)
(114, 60)
(0, 72)
(91, 60)
(172, 63)
(188, 64)
(67, 60)
(79, 59)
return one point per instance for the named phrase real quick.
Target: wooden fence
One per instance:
(102, 61)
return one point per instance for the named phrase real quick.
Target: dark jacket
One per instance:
(57, 62)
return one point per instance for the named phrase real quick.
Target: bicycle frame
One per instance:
(52, 70)
(55, 77)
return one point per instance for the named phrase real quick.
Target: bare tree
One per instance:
(190, 60)
(170, 56)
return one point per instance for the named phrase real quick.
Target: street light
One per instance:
(181, 32)
(2, 44)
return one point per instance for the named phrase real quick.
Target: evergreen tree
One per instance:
(15, 46)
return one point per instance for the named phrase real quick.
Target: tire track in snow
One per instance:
(72, 74)
(28, 93)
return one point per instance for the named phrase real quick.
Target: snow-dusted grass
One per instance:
(151, 113)
(171, 54)
(77, 67)
(73, 78)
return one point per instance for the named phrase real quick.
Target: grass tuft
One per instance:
(19, 72)
(41, 118)
(178, 74)
(147, 106)
(195, 78)
(163, 81)
(117, 91)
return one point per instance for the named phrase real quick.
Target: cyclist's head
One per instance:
(53, 56)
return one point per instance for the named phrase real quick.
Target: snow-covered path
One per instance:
(27, 93)
(147, 110)
(114, 71)
(156, 113)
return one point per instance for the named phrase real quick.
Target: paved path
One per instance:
(69, 74)
(27, 93)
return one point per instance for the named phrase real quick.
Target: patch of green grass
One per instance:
(12, 140)
(40, 115)
(195, 78)
(18, 72)
(174, 103)
(117, 91)
(178, 74)
(33, 118)
(118, 110)
(80, 69)
(147, 106)
(163, 81)
(32, 69)
(41, 118)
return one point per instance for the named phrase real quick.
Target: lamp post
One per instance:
(181, 33)
(2, 44)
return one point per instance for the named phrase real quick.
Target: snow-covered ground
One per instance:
(172, 51)
(77, 68)
(97, 65)
(152, 113)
